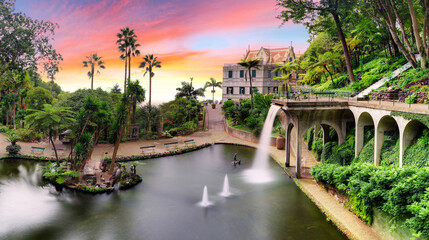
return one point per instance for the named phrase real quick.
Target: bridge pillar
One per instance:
(298, 148)
(359, 140)
(325, 129)
(288, 137)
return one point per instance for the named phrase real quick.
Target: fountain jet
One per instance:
(225, 191)
(205, 201)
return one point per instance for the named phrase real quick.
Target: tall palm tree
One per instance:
(127, 45)
(92, 61)
(249, 64)
(51, 120)
(213, 83)
(150, 62)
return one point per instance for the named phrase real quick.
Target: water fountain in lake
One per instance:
(259, 172)
(205, 201)
(225, 191)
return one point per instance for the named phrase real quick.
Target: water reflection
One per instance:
(163, 205)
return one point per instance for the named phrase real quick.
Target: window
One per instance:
(241, 73)
(242, 90)
(269, 74)
(290, 59)
(268, 89)
(276, 74)
(230, 90)
(253, 73)
(229, 74)
(275, 89)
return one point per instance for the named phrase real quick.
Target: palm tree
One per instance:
(128, 47)
(188, 91)
(328, 58)
(93, 61)
(150, 62)
(51, 120)
(213, 83)
(286, 70)
(137, 95)
(249, 64)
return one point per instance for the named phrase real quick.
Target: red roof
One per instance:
(275, 55)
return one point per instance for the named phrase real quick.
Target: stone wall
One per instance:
(245, 135)
(398, 95)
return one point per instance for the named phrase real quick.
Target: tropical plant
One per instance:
(92, 62)
(188, 91)
(213, 83)
(127, 46)
(50, 120)
(137, 95)
(249, 64)
(150, 62)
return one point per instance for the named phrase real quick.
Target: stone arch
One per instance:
(363, 120)
(409, 132)
(386, 123)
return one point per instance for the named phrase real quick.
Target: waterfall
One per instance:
(259, 172)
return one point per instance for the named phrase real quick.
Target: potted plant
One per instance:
(13, 149)
(213, 105)
(280, 140)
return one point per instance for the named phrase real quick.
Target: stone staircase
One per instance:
(387, 78)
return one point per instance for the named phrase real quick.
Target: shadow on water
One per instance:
(164, 205)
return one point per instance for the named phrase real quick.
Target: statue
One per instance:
(116, 174)
(133, 170)
(235, 161)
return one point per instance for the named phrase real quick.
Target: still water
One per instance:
(165, 205)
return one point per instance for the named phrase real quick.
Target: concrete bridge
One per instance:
(342, 114)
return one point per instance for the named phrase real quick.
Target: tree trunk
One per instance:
(129, 67)
(426, 28)
(117, 142)
(84, 126)
(401, 27)
(125, 80)
(332, 80)
(345, 48)
(55, 149)
(417, 35)
(92, 77)
(391, 25)
(133, 118)
(150, 88)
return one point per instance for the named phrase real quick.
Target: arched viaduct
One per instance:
(301, 115)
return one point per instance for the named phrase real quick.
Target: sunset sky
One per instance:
(192, 38)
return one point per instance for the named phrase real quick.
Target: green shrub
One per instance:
(402, 193)
(411, 99)
(190, 124)
(27, 135)
(13, 149)
(4, 129)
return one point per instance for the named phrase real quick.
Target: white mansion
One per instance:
(234, 86)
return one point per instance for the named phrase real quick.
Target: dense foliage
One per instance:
(242, 115)
(400, 192)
